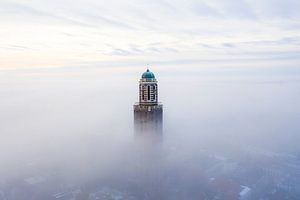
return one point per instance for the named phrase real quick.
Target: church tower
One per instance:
(148, 112)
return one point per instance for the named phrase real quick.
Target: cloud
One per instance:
(277, 8)
(203, 9)
(17, 47)
(238, 8)
(96, 30)
(22, 10)
(119, 52)
(75, 17)
(229, 45)
(295, 40)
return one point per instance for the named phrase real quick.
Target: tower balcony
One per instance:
(147, 107)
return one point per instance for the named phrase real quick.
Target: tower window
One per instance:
(143, 92)
(148, 92)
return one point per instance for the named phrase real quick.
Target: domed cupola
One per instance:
(147, 74)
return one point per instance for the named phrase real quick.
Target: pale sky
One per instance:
(65, 33)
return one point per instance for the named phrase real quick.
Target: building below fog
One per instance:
(148, 112)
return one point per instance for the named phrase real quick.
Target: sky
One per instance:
(88, 33)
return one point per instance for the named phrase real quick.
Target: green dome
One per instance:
(148, 74)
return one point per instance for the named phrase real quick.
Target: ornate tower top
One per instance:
(148, 90)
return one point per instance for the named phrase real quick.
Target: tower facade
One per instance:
(148, 89)
(148, 112)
